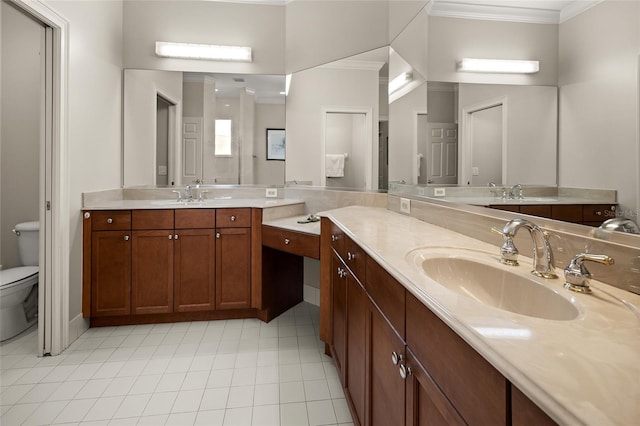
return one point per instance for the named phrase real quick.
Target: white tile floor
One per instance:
(234, 372)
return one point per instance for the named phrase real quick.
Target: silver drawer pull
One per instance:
(175, 237)
(109, 220)
(87, 215)
(334, 237)
(395, 358)
(233, 218)
(170, 236)
(351, 256)
(287, 241)
(126, 238)
(404, 371)
(217, 235)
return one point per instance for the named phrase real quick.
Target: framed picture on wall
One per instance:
(275, 144)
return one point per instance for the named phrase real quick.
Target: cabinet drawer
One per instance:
(567, 213)
(598, 212)
(387, 293)
(152, 219)
(115, 220)
(233, 218)
(292, 242)
(474, 387)
(355, 258)
(336, 238)
(541, 210)
(195, 218)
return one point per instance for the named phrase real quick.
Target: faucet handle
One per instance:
(508, 251)
(576, 274)
(179, 194)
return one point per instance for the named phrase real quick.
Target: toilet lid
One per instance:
(13, 276)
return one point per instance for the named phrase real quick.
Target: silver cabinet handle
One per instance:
(404, 371)
(334, 237)
(170, 236)
(87, 215)
(351, 256)
(395, 358)
(126, 238)
(109, 220)
(287, 241)
(233, 218)
(217, 235)
(175, 237)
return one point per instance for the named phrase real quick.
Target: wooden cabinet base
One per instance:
(173, 317)
(282, 277)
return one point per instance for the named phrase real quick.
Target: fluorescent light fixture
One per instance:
(287, 84)
(400, 81)
(501, 66)
(203, 51)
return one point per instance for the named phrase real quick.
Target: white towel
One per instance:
(334, 165)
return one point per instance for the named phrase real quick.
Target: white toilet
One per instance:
(19, 285)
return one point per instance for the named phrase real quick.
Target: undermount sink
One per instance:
(479, 276)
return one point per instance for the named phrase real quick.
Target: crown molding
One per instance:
(495, 12)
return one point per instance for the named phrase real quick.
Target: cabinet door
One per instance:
(425, 403)
(110, 273)
(233, 268)
(357, 319)
(339, 314)
(386, 385)
(152, 280)
(194, 270)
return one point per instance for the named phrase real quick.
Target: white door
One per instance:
(486, 146)
(441, 157)
(191, 149)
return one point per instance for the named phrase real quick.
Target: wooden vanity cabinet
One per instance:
(399, 363)
(584, 214)
(110, 273)
(233, 258)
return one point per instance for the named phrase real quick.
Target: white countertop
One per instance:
(581, 371)
(291, 223)
(215, 203)
(486, 201)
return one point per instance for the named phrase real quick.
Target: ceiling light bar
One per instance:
(501, 66)
(399, 82)
(203, 51)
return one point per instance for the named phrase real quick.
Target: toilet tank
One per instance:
(28, 246)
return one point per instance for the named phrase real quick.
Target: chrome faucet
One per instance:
(576, 274)
(542, 255)
(188, 193)
(512, 192)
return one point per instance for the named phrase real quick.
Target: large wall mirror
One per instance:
(211, 128)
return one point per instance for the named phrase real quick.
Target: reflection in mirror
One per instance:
(504, 134)
(336, 123)
(174, 128)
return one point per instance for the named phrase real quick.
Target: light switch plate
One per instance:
(405, 205)
(438, 192)
(475, 171)
(272, 192)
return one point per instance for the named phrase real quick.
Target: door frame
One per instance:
(53, 304)
(371, 168)
(465, 137)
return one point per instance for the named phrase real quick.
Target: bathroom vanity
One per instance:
(411, 351)
(147, 261)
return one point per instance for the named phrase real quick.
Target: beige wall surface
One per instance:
(20, 127)
(451, 39)
(94, 115)
(320, 31)
(598, 96)
(268, 116)
(261, 27)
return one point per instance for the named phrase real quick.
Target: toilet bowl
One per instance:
(19, 285)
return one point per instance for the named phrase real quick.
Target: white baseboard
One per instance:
(77, 326)
(311, 295)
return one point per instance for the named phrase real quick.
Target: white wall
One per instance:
(320, 31)
(20, 127)
(531, 129)
(94, 114)
(261, 27)
(310, 91)
(141, 89)
(598, 95)
(451, 39)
